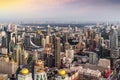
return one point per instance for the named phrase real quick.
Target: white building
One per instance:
(8, 66)
(3, 76)
(62, 75)
(70, 53)
(25, 75)
(43, 42)
(40, 75)
(47, 39)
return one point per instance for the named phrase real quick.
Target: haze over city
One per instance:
(59, 10)
(59, 39)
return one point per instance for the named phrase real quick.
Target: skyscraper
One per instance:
(48, 30)
(114, 53)
(11, 36)
(114, 42)
(93, 58)
(27, 41)
(24, 57)
(47, 39)
(17, 53)
(4, 39)
(57, 52)
(35, 55)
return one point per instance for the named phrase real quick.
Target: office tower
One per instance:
(11, 46)
(12, 27)
(96, 40)
(92, 42)
(107, 43)
(48, 30)
(62, 47)
(35, 55)
(93, 58)
(8, 66)
(62, 75)
(47, 40)
(49, 60)
(40, 75)
(119, 41)
(4, 39)
(43, 42)
(25, 75)
(27, 41)
(17, 53)
(114, 42)
(66, 46)
(41, 37)
(80, 45)
(11, 36)
(114, 38)
(51, 39)
(101, 47)
(24, 57)
(70, 53)
(57, 52)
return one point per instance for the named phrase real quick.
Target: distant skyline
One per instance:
(28, 11)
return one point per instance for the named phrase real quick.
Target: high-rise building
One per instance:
(93, 58)
(48, 30)
(107, 43)
(27, 41)
(57, 52)
(51, 39)
(25, 75)
(4, 39)
(114, 42)
(41, 37)
(70, 53)
(114, 38)
(35, 55)
(49, 60)
(8, 66)
(47, 39)
(66, 46)
(43, 42)
(12, 27)
(18, 54)
(11, 34)
(11, 46)
(24, 57)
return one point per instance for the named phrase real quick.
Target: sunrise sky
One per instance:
(59, 10)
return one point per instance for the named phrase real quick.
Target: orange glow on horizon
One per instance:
(10, 4)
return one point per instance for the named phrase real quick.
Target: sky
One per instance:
(28, 11)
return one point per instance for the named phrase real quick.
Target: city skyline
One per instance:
(59, 10)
